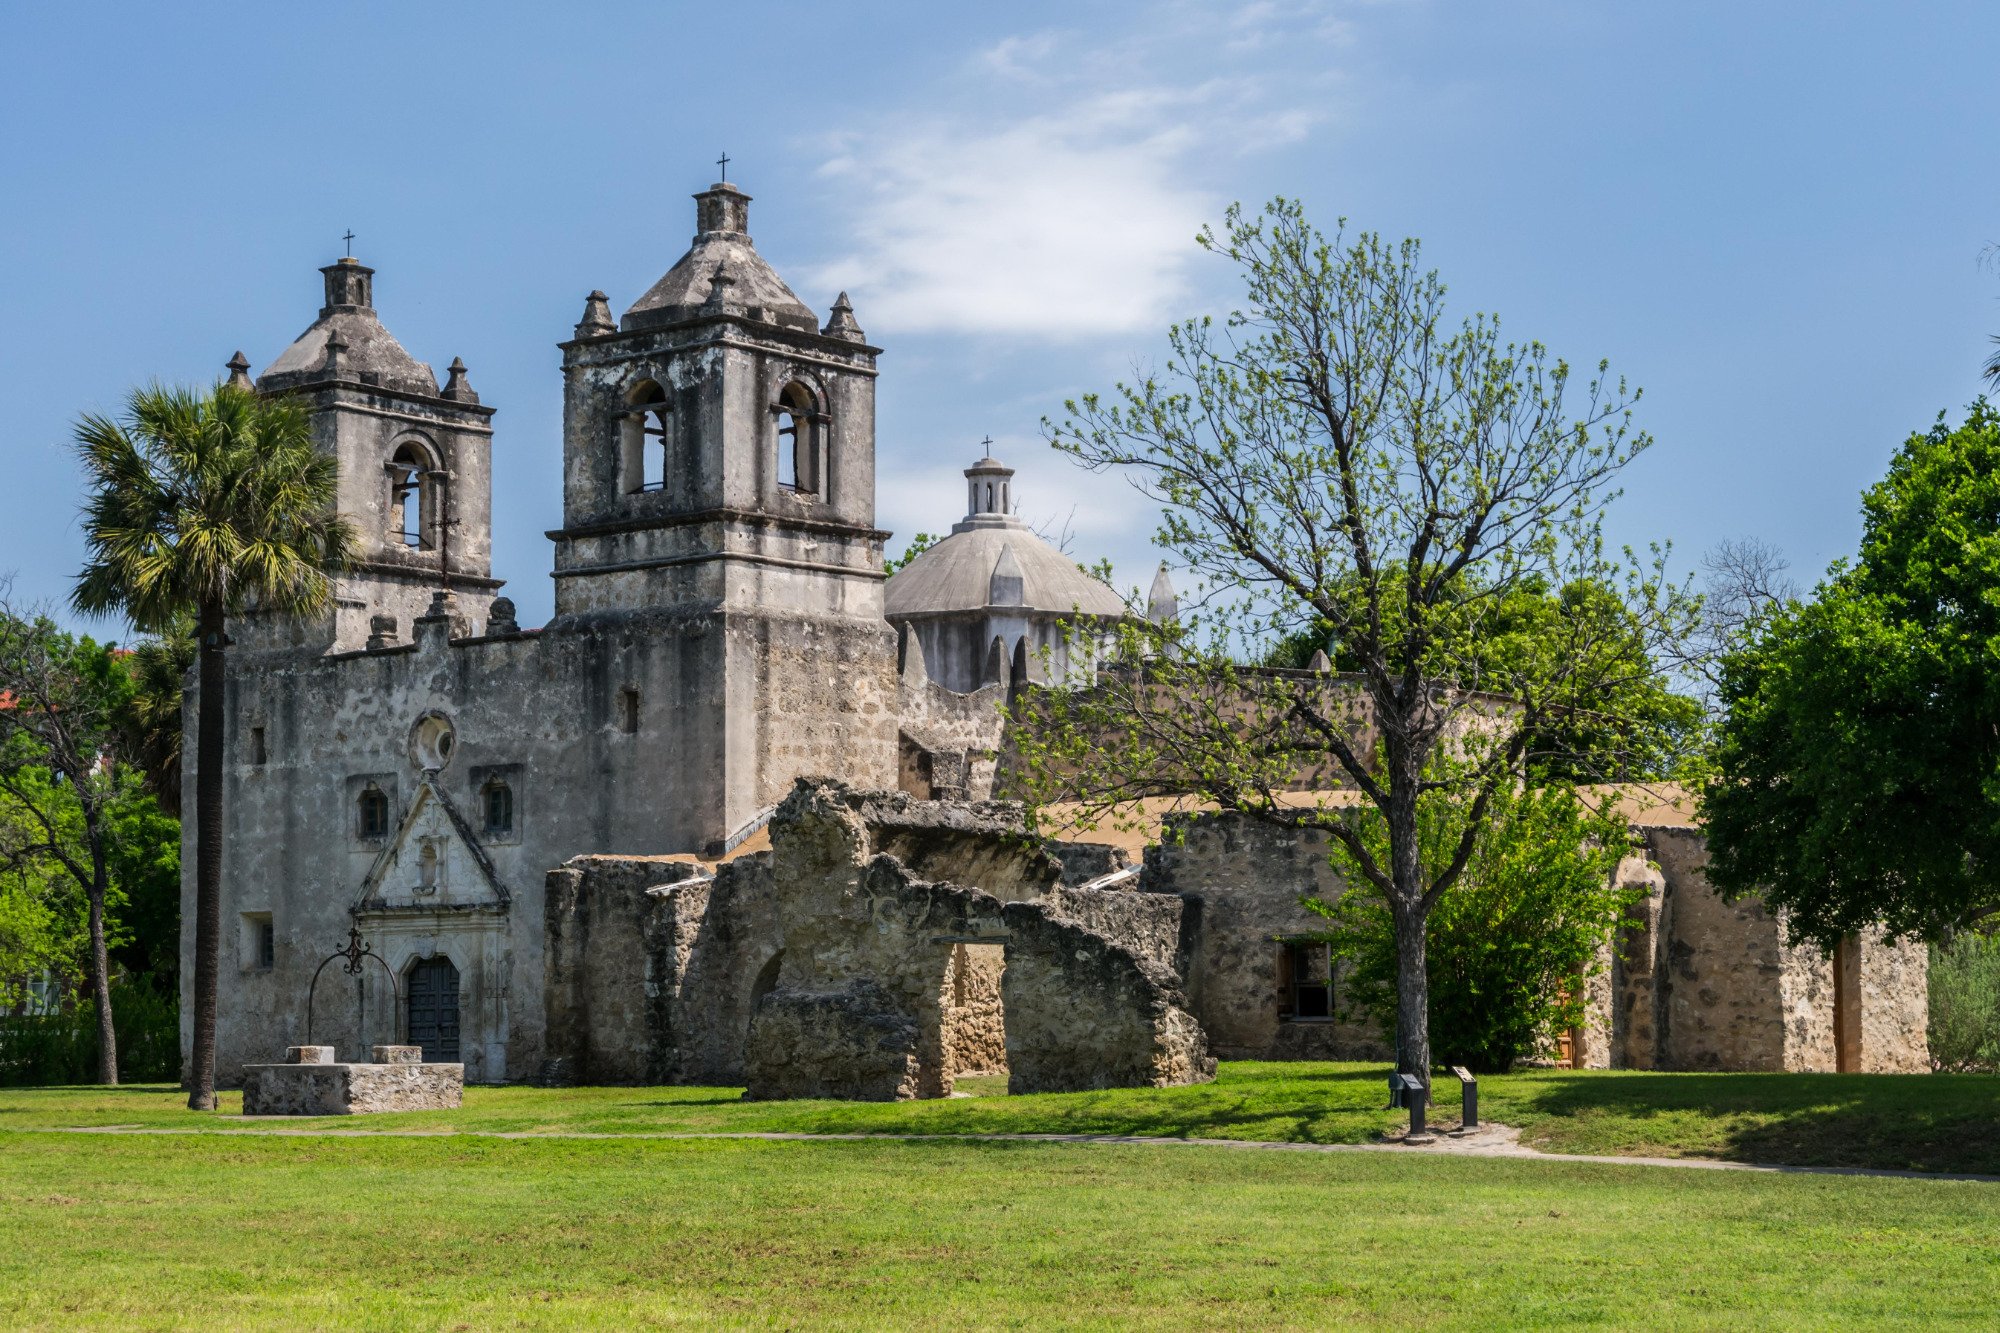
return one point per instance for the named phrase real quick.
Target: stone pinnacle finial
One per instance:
(840, 324)
(455, 387)
(1006, 586)
(718, 289)
(1162, 605)
(596, 317)
(239, 371)
(335, 346)
(916, 675)
(1321, 664)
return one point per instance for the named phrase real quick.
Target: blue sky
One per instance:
(1771, 216)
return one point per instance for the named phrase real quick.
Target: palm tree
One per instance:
(202, 504)
(152, 731)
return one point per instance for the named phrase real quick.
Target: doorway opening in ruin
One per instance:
(975, 1020)
(767, 979)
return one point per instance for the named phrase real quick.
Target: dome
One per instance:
(366, 351)
(722, 269)
(993, 559)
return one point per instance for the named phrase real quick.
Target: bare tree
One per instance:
(1744, 580)
(1333, 454)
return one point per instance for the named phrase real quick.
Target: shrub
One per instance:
(1510, 943)
(1965, 1005)
(37, 1050)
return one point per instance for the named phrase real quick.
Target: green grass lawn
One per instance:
(471, 1233)
(1922, 1122)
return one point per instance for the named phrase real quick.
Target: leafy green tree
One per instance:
(34, 932)
(1858, 765)
(1640, 728)
(145, 844)
(198, 505)
(1334, 453)
(63, 701)
(1511, 945)
(920, 543)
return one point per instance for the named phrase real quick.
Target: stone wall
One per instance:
(1085, 1012)
(1895, 1005)
(1244, 881)
(612, 954)
(949, 741)
(728, 948)
(975, 1020)
(1636, 996)
(1726, 990)
(863, 1004)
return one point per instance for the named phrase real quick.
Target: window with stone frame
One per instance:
(257, 942)
(1305, 979)
(496, 806)
(648, 439)
(800, 430)
(372, 813)
(410, 470)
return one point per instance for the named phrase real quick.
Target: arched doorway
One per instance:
(431, 1001)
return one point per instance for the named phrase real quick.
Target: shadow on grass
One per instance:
(1935, 1122)
(1297, 1103)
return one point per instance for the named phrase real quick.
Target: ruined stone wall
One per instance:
(1146, 924)
(1249, 879)
(961, 733)
(1636, 995)
(1805, 988)
(1736, 995)
(1895, 1005)
(727, 931)
(1084, 1012)
(975, 1020)
(615, 952)
(863, 1006)
(1727, 1001)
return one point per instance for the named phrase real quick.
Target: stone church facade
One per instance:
(554, 839)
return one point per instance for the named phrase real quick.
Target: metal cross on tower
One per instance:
(348, 240)
(723, 163)
(986, 446)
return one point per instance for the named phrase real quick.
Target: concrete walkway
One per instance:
(1491, 1140)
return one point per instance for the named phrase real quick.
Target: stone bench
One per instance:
(312, 1082)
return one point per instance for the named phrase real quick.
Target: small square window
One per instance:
(259, 942)
(497, 803)
(1305, 979)
(373, 812)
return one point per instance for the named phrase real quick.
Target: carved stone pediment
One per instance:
(434, 863)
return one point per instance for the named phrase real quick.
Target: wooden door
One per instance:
(433, 1009)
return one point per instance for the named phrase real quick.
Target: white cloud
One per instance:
(1064, 201)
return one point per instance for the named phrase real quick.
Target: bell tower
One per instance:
(719, 502)
(718, 441)
(416, 476)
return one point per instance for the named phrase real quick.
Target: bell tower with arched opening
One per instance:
(719, 491)
(416, 474)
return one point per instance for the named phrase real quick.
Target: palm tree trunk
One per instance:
(100, 976)
(207, 856)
